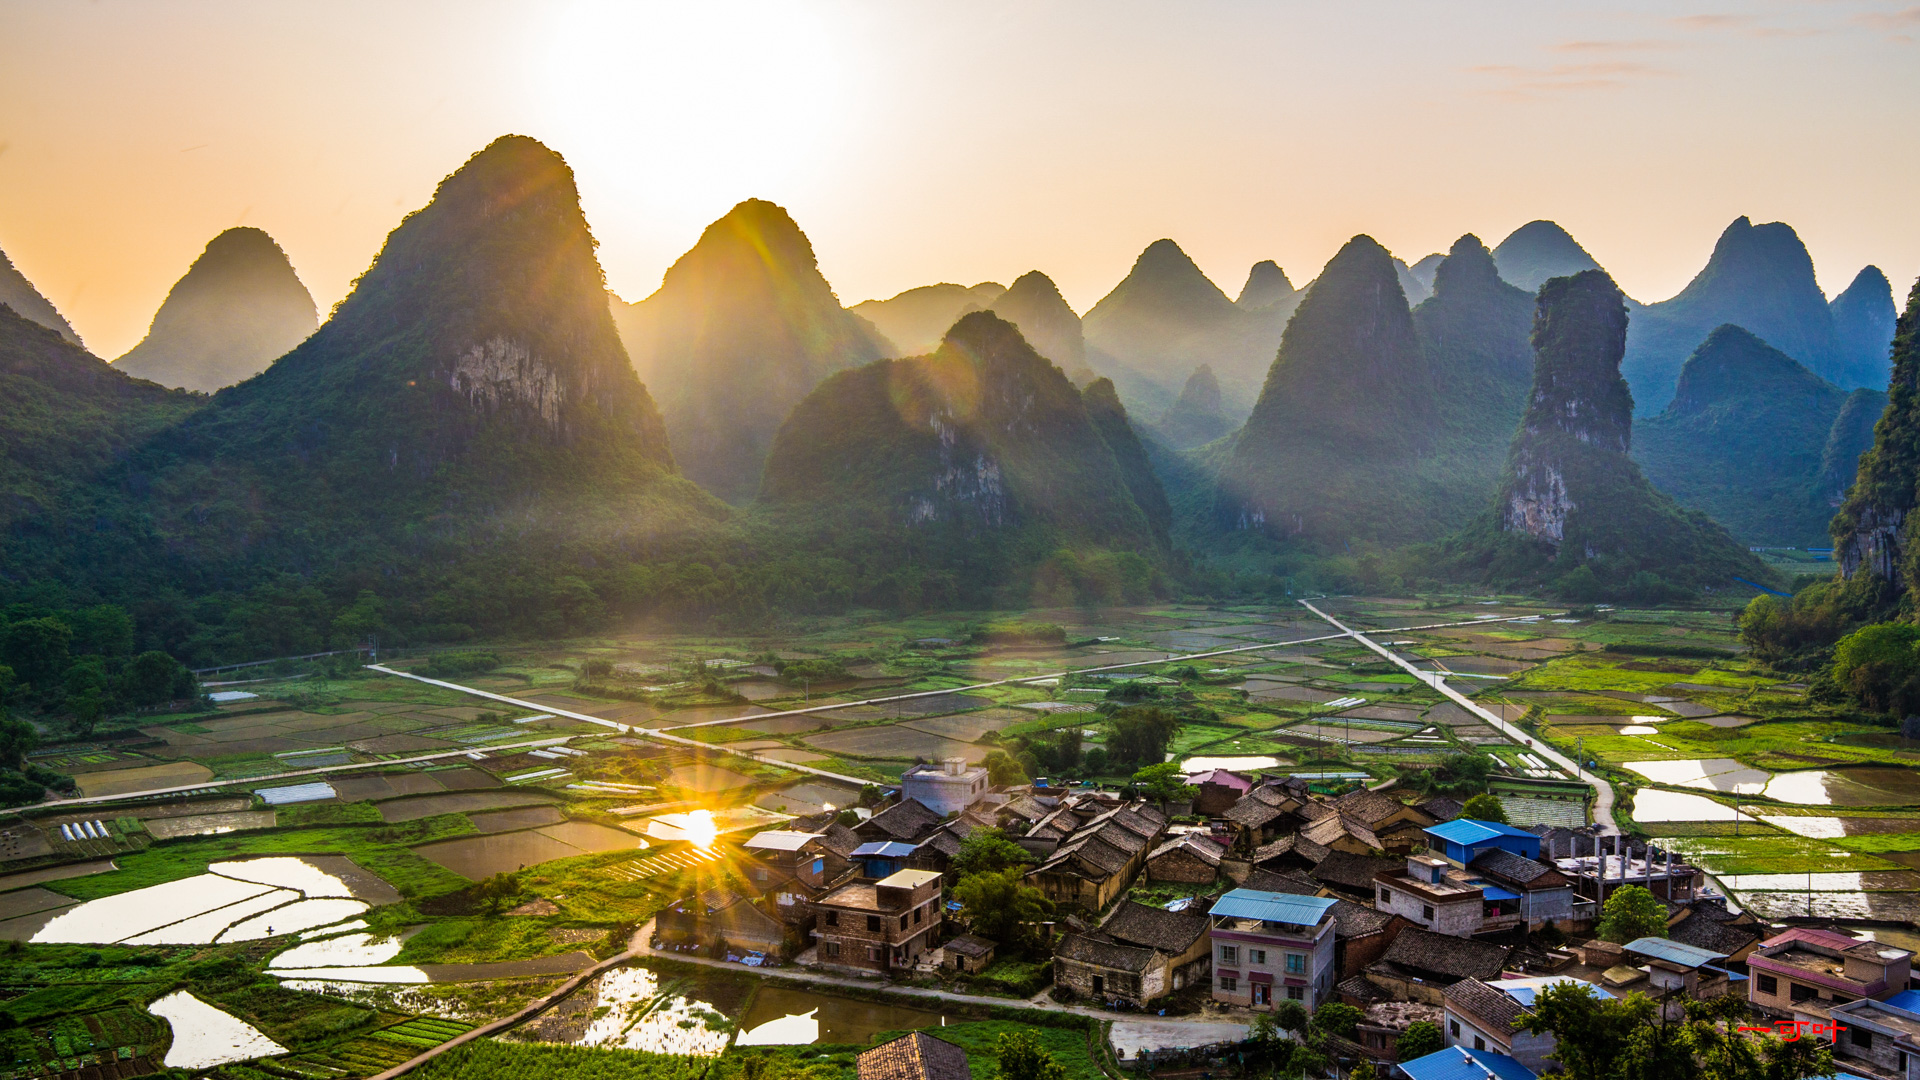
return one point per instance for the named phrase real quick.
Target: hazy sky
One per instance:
(918, 142)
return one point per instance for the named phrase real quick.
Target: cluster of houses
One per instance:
(1402, 909)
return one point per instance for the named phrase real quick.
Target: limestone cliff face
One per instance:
(1579, 335)
(1873, 529)
(1571, 498)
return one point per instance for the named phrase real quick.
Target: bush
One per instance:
(448, 664)
(1019, 632)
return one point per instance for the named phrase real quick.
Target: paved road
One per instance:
(1603, 791)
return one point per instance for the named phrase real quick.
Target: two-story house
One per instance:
(879, 926)
(1484, 1015)
(1270, 947)
(1882, 1036)
(1140, 953)
(1427, 895)
(1803, 973)
(946, 788)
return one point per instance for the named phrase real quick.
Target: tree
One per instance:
(1002, 907)
(1604, 1038)
(988, 851)
(1141, 734)
(1162, 783)
(1363, 1071)
(1095, 760)
(1290, 1015)
(1337, 1018)
(1021, 1056)
(17, 740)
(36, 649)
(1003, 768)
(153, 678)
(366, 616)
(105, 629)
(1458, 774)
(1484, 807)
(1420, 1039)
(1631, 913)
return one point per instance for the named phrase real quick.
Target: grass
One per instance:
(381, 849)
(481, 939)
(1874, 843)
(538, 1061)
(1778, 854)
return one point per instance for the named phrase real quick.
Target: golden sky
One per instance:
(920, 142)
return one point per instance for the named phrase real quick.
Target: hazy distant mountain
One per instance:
(19, 294)
(239, 308)
(1034, 304)
(1873, 529)
(470, 394)
(1743, 440)
(741, 328)
(1424, 270)
(1574, 510)
(1197, 417)
(1332, 446)
(1414, 289)
(1266, 286)
(1537, 251)
(915, 320)
(978, 459)
(1164, 318)
(1474, 332)
(1761, 278)
(64, 416)
(1863, 318)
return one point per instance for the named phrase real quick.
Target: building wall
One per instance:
(1461, 918)
(1884, 1051)
(1528, 1049)
(944, 793)
(1546, 905)
(846, 939)
(1212, 800)
(1315, 982)
(1355, 955)
(1139, 988)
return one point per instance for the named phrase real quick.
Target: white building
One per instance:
(946, 788)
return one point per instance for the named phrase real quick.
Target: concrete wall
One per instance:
(1182, 865)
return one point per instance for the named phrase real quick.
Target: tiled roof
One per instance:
(1287, 881)
(1440, 954)
(1294, 845)
(1353, 871)
(907, 819)
(1483, 1002)
(914, 1056)
(1201, 848)
(1519, 869)
(1361, 988)
(1171, 932)
(1442, 807)
(1252, 813)
(969, 945)
(1351, 920)
(1368, 807)
(1329, 829)
(1088, 949)
(840, 840)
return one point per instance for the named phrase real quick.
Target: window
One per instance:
(1454, 1027)
(903, 922)
(1903, 1063)
(1479, 1043)
(1256, 956)
(873, 923)
(1386, 895)
(1229, 983)
(1861, 1037)
(819, 866)
(1800, 992)
(873, 955)
(1769, 984)
(1842, 999)
(1296, 963)
(1426, 912)
(1297, 993)
(833, 918)
(919, 913)
(1229, 954)
(830, 948)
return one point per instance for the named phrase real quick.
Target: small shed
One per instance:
(968, 954)
(883, 858)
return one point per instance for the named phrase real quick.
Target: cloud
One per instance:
(1524, 82)
(1713, 22)
(1898, 25)
(1589, 47)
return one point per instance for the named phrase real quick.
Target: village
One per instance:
(1288, 892)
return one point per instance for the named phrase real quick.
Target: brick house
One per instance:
(1397, 826)
(1522, 890)
(1097, 861)
(1270, 947)
(717, 916)
(1420, 964)
(969, 955)
(1803, 973)
(879, 926)
(1140, 953)
(1190, 857)
(1215, 791)
(946, 788)
(1882, 1036)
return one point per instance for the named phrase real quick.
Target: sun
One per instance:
(700, 829)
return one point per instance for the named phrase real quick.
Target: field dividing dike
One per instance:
(1603, 791)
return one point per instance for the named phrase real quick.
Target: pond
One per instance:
(234, 901)
(204, 1036)
(782, 1016)
(1651, 805)
(1194, 765)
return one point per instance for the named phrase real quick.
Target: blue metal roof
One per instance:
(1905, 999)
(1460, 1063)
(884, 849)
(1273, 906)
(1495, 892)
(1673, 952)
(1469, 831)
